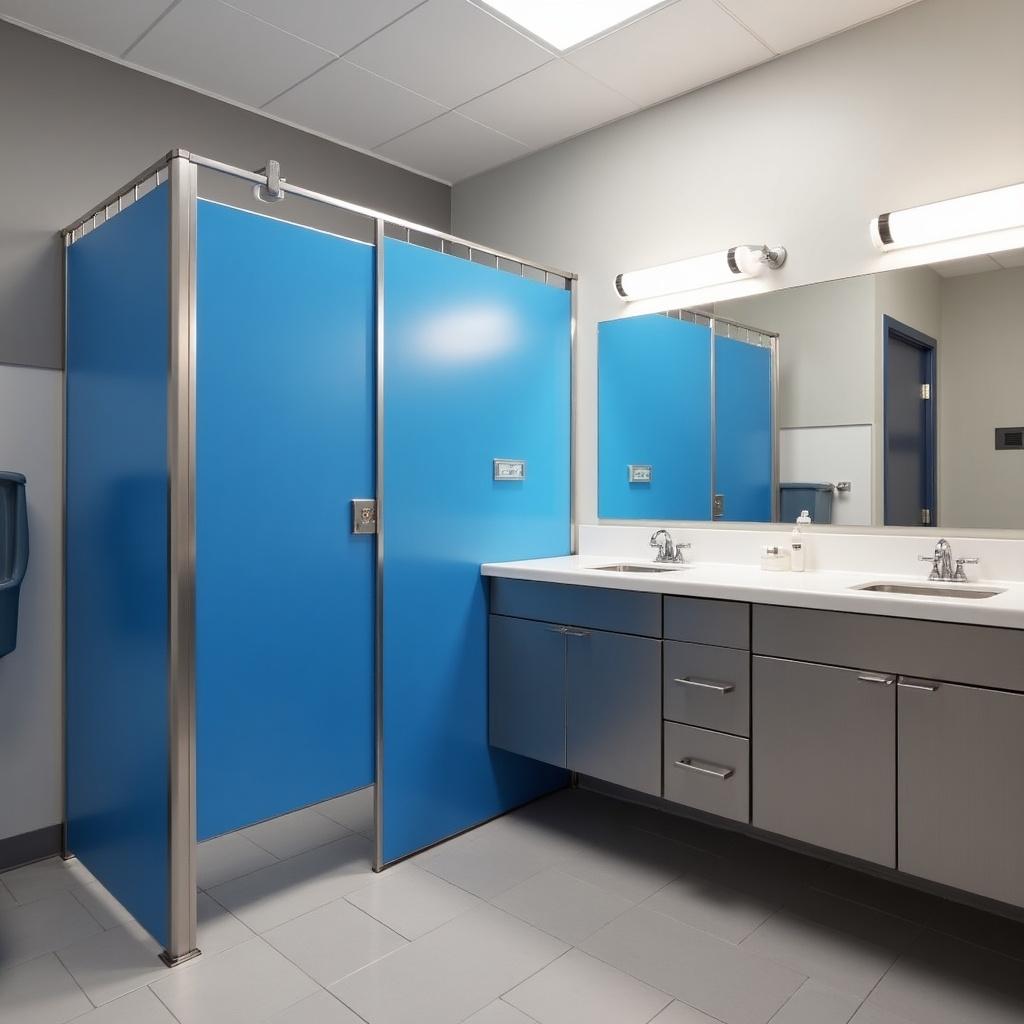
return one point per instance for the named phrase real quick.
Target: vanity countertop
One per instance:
(824, 589)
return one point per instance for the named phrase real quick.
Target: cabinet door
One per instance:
(526, 712)
(824, 757)
(614, 708)
(961, 787)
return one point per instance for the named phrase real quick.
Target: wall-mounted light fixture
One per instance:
(977, 214)
(741, 261)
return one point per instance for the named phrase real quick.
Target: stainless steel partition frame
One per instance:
(181, 465)
(180, 168)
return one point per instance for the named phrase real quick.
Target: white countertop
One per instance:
(823, 589)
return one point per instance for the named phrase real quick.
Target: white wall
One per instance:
(31, 701)
(922, 105)
(828, 455)
(981, 387)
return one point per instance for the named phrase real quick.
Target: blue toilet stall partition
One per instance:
(744, 431)
(654, 401)
(284, 590)
(476, 367)
(117, 556)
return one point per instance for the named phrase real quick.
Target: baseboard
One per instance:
(29, 846)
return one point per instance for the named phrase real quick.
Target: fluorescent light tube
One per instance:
(977, 214)
(741, 261)
(564, 23)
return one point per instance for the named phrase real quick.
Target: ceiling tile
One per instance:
(549, 104)
(1013, 258)
(452, 148)
(219, 48)
(672, 51)
(966, 265)
(336, 25)
(110, 26)
(787, 24)
(354, 106)
(449, 51)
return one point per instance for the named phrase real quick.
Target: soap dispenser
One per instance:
(798, 544)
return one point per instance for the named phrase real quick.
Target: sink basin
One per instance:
(646, 567)
(927, 590)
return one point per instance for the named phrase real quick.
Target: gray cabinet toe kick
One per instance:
(834, 729)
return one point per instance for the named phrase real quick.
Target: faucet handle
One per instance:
(960, 576)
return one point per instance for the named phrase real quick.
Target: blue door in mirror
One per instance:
(13, 555)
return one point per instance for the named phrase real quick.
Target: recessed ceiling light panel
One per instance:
(564, 23)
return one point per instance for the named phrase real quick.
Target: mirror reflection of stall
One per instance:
(687, 419)
(898, 400)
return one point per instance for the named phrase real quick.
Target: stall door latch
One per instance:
(364, 515)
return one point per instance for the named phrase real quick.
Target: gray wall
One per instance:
(74, 127)
(802, 151)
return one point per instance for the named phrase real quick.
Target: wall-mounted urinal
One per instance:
(13, 555)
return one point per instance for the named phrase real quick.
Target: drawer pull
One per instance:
(561, 630)
(577, 632)
(872, 677)
(704, 684)
(719, 773)
(920, 686)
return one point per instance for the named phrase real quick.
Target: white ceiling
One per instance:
(442, 86)
(980, 264)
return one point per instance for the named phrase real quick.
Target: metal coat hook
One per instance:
(271, 192)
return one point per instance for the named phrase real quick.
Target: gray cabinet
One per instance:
(613, 716)
(824, 756)
(961, 787)
(708, 770)
(526, 711)
(707, 686)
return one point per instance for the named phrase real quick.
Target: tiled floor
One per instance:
(574, 910)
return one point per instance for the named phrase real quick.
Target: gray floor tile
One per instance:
(42, 926)
(869, 1014)
(814, 1003)
(102, 906)
(295, 833)
(333, 941)
(576, 987)
(40, 992)
(451, 972)
(319, 1008)
(216, 928)
(247, 983)
(289, 888)
(412, 901)
(940, 980)
(141, 1007)
(499, 1012)
(228, 857)
(839, 960)
(728, 913)
(680, 1013)
(6, 899)
(562, 905)
(353, 810)
(700, 970)
(45, 878)
(115, 962)
(857, 919)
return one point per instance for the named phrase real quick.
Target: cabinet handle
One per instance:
(704, 684)
(719, 773)
(577, 632)
(871, 677)
(561, 630)
(928, 687)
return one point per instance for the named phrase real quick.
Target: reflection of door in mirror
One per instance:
(909, 425)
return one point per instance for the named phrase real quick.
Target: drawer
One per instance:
(951, 652)
(707, 770)
(703, 621)
(707, 686)
(617, 611)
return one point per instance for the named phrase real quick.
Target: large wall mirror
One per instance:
(893, 399)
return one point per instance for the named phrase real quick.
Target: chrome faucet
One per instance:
(668, 550)
(942, 564)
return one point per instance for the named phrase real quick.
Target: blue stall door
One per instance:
(477, 367)
(743, 430)
(284, 590)
(654, 409)
(117, 546)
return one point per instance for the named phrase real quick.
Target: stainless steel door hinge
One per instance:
(717, 506)
(364, 515)
(926, 517)
(926, 391)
